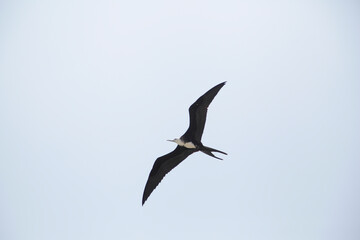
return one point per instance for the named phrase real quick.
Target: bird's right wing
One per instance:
(162, 166)
(198, 111)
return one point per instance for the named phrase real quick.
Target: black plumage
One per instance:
(166, 163)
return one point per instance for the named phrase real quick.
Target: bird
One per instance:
(187, 144)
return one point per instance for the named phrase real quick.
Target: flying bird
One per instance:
(188, 143)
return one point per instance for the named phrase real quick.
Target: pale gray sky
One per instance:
(90, 91)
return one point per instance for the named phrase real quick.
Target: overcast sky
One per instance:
(90, 91)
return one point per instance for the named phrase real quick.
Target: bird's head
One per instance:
(177, 141)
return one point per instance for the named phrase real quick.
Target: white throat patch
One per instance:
(189, 145)
(184, 144)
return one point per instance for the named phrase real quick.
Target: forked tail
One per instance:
(209, 150)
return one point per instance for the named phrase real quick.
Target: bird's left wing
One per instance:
(162, 166)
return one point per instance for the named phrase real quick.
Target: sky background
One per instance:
(90, 91)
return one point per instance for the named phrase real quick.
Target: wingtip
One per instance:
(222, 84)
(143, 201)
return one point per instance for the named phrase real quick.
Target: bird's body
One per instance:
(183, 143)
(188, 143)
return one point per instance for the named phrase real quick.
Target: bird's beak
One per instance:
(170, 140)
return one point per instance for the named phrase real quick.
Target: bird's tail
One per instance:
(209, 150)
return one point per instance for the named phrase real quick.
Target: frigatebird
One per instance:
(188, 143)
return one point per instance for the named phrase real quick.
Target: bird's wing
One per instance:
(162, 166)
(198, 112)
